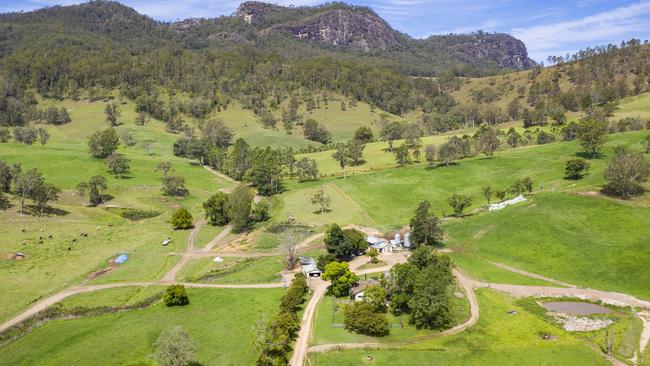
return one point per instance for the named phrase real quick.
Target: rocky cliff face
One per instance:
(345, 28)
(361, 29)
(504, 49)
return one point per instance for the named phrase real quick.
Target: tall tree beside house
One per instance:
(426, 228)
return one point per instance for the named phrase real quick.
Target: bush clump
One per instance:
(175, 295)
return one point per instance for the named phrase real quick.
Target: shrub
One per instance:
(182, 219)
(575, 168)
(175, 296)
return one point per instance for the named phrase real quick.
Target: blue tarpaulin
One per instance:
(121, 258)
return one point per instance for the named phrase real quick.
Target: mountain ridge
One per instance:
(336, 28)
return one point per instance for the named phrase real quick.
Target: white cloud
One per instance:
(615, 24)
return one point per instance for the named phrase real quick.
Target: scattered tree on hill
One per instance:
(341, 278)
(402, 156)
(448, 153)
(265, 172)
(307, 169)
(103, 143)
(216, 133)
(165, 167)
(261, 210)
(430, 154)
(175, 347)
(646, 144)
(364, 134)
(501, 195)
(239, 208)
(290, 250)
(118, 165)
(4, 135)
(141, 119)
(426, 228)
(314, 132)
(459, 203)
(354, 152)
(182, 219)
(486, 141)
(390, 132)
(26, 185)
(268, 120)
(240, 159)
(43, 135)
(321, 200)
(626, 173)
(80, 191)
(544, 137)
(25, 135)
(216, 209)
(360, 317)
(341, 156)
(487, 193)
(7, 175)
(96, 187)
(112, 113)
(127, 138)
(576, 168)
(43, 194)
(4, 202)
(174, 185)
(593, 135)
(513, 138)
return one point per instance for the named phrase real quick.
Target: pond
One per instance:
(575, 308)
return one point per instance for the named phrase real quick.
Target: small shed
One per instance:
(311, 270)
(357, 292)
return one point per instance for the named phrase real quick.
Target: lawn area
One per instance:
(219, 320)
(588, 241)
(497, 339)
(328, 324)
(234, 270)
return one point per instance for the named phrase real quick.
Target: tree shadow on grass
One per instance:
(318, 212)
(589, 156)
(47, 211)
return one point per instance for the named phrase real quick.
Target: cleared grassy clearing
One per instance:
(219, 320)
(589, 241)
(296, 202)
(498, 338)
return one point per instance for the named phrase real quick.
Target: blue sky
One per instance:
(547, 27)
